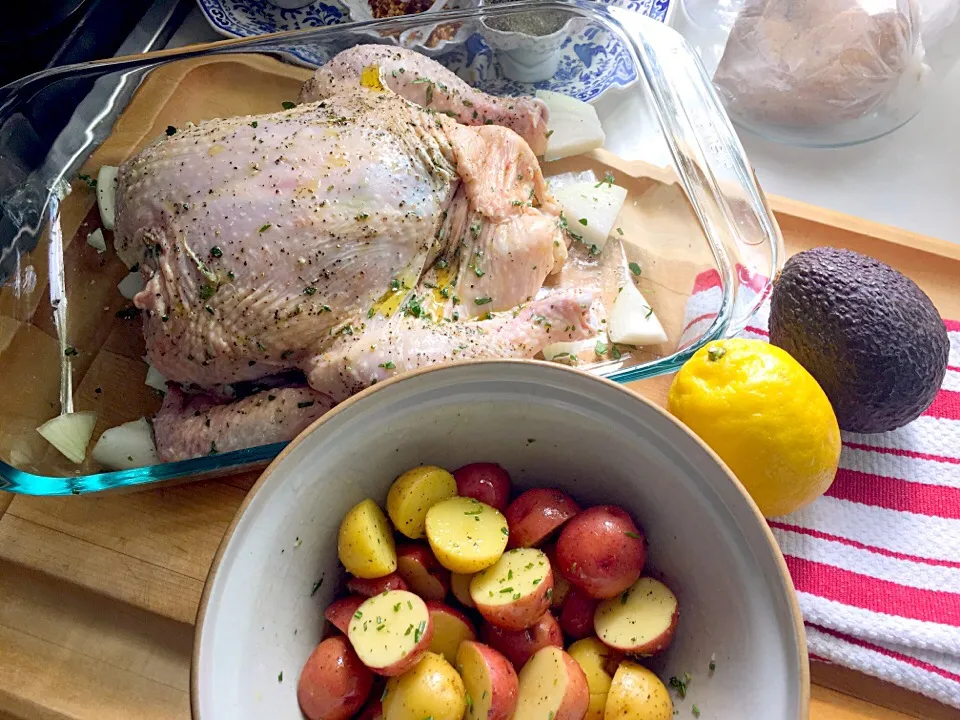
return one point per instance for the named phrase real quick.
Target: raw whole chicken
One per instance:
(396, 218)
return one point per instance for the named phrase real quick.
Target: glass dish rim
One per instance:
(19, 481)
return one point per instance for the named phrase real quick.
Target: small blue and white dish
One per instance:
(584, 60)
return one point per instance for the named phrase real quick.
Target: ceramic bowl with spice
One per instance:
(361, 10)
(432, 36)
(528, 42)
(739, 649)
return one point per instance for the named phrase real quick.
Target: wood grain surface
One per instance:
(98, 594)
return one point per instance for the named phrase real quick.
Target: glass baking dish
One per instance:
(695, 220)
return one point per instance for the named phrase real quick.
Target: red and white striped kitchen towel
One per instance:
(876, 561)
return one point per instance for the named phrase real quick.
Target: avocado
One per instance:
(870, 336)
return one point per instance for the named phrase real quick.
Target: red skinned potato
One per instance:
(487, 482)
(518, 646)
(576, 618)
(421, 572)
(333, 684)
(552, 686)
(535, 514)
(391, 632)
(370, 587)
(561, 591)
(641, 621)
(601, 551)
(561, 588)
(490, 680)
(515, 591)
(340, 612)
(450, 628)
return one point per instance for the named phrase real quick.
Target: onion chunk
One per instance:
(107, 196)
(127, 446)
(97, 241)
(131, 285)
(155, 379)
(70, 434)
(632, 320)
(574, 126)
(591, 210)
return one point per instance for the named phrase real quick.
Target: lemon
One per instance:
(765, 416)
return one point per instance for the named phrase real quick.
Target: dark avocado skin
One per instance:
(870, 336)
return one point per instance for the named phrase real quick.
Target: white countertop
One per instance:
(909, 179)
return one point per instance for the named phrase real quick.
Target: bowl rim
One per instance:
(803, 661)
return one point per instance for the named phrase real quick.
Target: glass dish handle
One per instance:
(711, 164)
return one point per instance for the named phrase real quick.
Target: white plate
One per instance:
(262, 611)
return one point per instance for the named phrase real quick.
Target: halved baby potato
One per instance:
(552, 686)
(641, 621)
(391, 631)
(460, 586)
(365, 542)
(637, 694)
(487, 482)
(414, 493)
(421, 571)
(368, 587)
(518, 646)
(340, 612)
(430, 689)
(450, 628)
(516, 590)
(561, 588)
(491, 682)
(536, 514)
(601, 551)
(466, 535)
(576, 618)
(333, 684)
(598, 663)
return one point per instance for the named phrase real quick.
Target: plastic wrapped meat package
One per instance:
(819, 63)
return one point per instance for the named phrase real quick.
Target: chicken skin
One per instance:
(375, 228)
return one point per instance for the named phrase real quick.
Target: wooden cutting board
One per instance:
(98, 594)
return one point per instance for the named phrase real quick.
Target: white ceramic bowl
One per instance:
(548, 425)
(530, 58)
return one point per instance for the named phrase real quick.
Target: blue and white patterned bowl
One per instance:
(591, 59)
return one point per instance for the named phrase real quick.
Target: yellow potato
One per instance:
(642, 620)
(365, 542)
(430, 689)
(466, 535)
(552, 687)
(515, 591)
(637, 694)
(414, 493)
(596, 660)
(391, 631)
(460, 586)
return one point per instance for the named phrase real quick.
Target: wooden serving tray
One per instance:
(98, 594)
